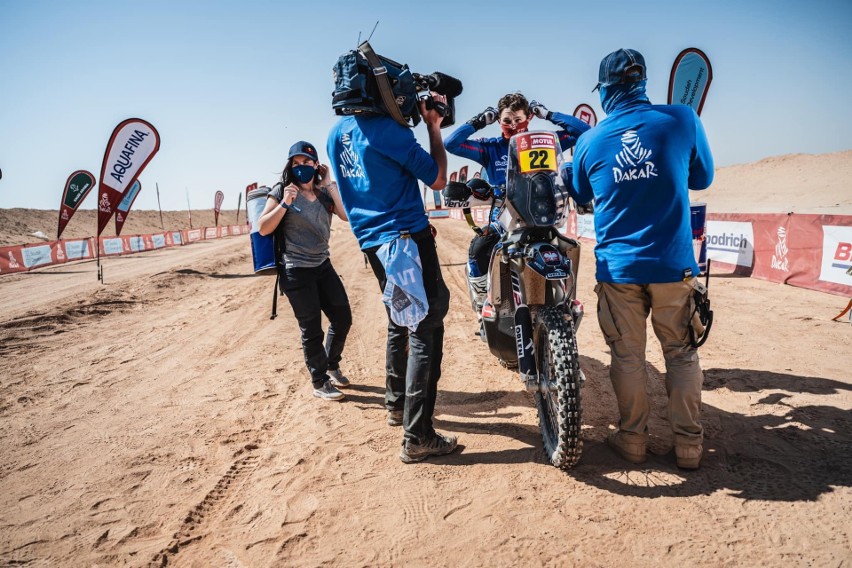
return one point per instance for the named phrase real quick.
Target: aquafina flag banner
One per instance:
(123, 209)
(404, 293)
(132, 145)
(217, 205)
(690, 78)
(77, 187)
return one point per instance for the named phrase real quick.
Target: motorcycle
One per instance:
(527, 300)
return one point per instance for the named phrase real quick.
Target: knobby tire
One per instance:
(559, 410)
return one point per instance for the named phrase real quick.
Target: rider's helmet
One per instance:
(534, 188)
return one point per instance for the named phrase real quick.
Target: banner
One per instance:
(587, 114)
(690, 78)
(23, 258)
(217, 206)
(132, 145)
(463, 174)
(77, 187)
(123, 209)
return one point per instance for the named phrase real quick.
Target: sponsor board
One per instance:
(586, 226)
(77, 249)
(36, 256)
(113, 246)
(731, 242)
(137, 244)
(836, 254)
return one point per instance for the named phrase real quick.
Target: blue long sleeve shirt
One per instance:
(377, 163)
(639, 164)
(493, 153)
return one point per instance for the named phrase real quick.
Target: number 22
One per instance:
(538, 160)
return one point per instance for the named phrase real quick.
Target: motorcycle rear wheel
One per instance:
(558, 395)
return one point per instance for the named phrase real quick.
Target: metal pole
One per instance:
(162, 226)
(188, 208)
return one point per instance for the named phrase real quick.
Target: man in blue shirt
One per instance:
(377, 163)
(638, 165)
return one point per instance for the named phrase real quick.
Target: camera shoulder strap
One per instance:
(380, 72)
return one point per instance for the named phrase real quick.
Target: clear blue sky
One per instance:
(231, 85)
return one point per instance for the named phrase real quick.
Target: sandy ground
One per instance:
(164, 419)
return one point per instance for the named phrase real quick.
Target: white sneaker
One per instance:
(328, 392)
(337, 379)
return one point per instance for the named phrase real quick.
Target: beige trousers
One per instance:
(623, 311)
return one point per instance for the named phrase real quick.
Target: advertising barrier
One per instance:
(804, 250)
(22, 258)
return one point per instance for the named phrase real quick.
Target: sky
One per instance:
(230, 86)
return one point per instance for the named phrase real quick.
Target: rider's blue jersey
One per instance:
(493, 153)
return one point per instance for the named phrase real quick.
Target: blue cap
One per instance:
(622, 66)
(303, 148)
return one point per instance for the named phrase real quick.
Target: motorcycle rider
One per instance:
(514, 113)
(638, 165)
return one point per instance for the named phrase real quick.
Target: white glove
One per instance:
(539, 109)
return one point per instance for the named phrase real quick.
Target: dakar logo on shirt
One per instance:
(350, 166)
(633, 159)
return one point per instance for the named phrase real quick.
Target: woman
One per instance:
(299, 210)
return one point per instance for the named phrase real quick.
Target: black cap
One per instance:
(622, 66)
(303, 148)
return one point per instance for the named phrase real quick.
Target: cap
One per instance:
(303, 148)
(622, 66)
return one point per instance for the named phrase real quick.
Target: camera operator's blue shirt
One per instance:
(638, 164)
(493, 153)
(377, 163)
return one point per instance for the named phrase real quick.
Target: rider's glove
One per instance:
(586, 209)
(540, 110)
(484, 118)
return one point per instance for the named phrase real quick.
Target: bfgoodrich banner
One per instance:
(132, 145)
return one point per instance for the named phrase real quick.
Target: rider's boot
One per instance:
(478, 286)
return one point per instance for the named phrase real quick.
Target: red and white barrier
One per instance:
(22, 258)
(808, 251)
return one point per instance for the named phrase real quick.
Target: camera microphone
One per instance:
(444, 84)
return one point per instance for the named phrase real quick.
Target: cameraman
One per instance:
(377, 162)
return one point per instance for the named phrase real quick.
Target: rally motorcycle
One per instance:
(527, 300)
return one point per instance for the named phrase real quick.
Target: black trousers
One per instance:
(313, 292)
(413, 359)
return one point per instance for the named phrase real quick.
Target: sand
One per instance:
(164, 419)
